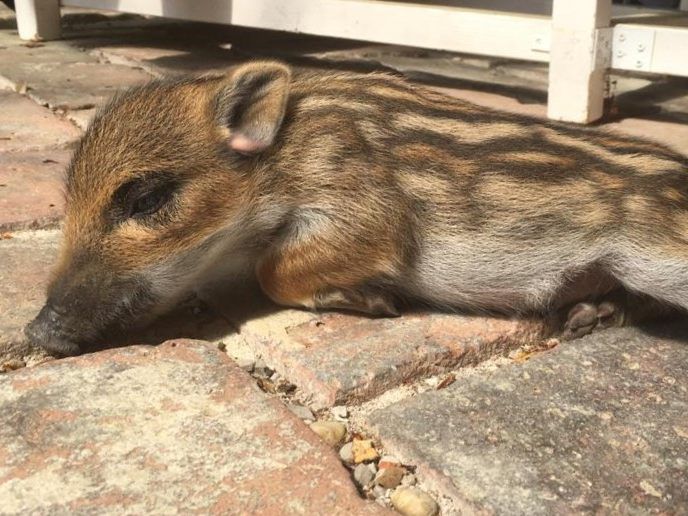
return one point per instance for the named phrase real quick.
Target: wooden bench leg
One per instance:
(579, 58)
(38, 19)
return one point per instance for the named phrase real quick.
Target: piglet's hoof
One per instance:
(583, 318)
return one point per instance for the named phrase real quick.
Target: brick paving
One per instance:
(49, 91)
(595, 426)
(338, 358)
(26, 126)
(169, 430)
(31, 189)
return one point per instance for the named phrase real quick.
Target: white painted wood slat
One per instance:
(473, 31)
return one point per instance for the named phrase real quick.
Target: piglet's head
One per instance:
(166, 184)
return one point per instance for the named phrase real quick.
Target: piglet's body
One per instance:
(352, 191)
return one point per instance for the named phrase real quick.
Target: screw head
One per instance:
(641, 48)
(638, 64)
(622, 37)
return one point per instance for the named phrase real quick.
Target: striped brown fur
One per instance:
(340, 190)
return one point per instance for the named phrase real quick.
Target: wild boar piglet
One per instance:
(358, 192)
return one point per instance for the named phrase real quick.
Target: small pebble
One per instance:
(389, 460)
(650, 489)
(266, 385)
(332, 432)
(261, 369)
(379, 492)
(372, 467)
(246, 364)
(302, 412)
(364, 451)
(346, 453)
(285, 387)
(411, 501)
(363, 476)
(222, 346)
(390, 476)
(340, 412)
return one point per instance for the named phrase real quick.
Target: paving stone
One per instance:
(337, 358)
(176, 429)
(162, 50)
(81, 85)
(81, 117)
(595, 426)
(26, 259)
(162, 58)
(24, 125)
(17, 52)
(200, 48)
(31, 188)
(61, 76)
(673, 135)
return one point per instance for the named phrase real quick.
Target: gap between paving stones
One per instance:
(354, 416)
(359, 413)
(361, 453)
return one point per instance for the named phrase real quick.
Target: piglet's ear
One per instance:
(251, 104)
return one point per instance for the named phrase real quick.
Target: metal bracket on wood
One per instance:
(633, 48)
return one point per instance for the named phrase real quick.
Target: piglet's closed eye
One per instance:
(251, 105)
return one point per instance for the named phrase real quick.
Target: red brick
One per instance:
(338, 358)
(81, 85)
(24, 125)
(173, 429)
(62, 77)
(31, 189)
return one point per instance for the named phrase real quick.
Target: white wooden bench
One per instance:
(580, 39)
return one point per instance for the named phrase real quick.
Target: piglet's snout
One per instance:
(46, 331)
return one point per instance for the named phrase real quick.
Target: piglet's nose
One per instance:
(46, 323)
(46, 331)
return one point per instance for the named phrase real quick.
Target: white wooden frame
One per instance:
(578, 40)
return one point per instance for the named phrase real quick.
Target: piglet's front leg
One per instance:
(308, 276)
